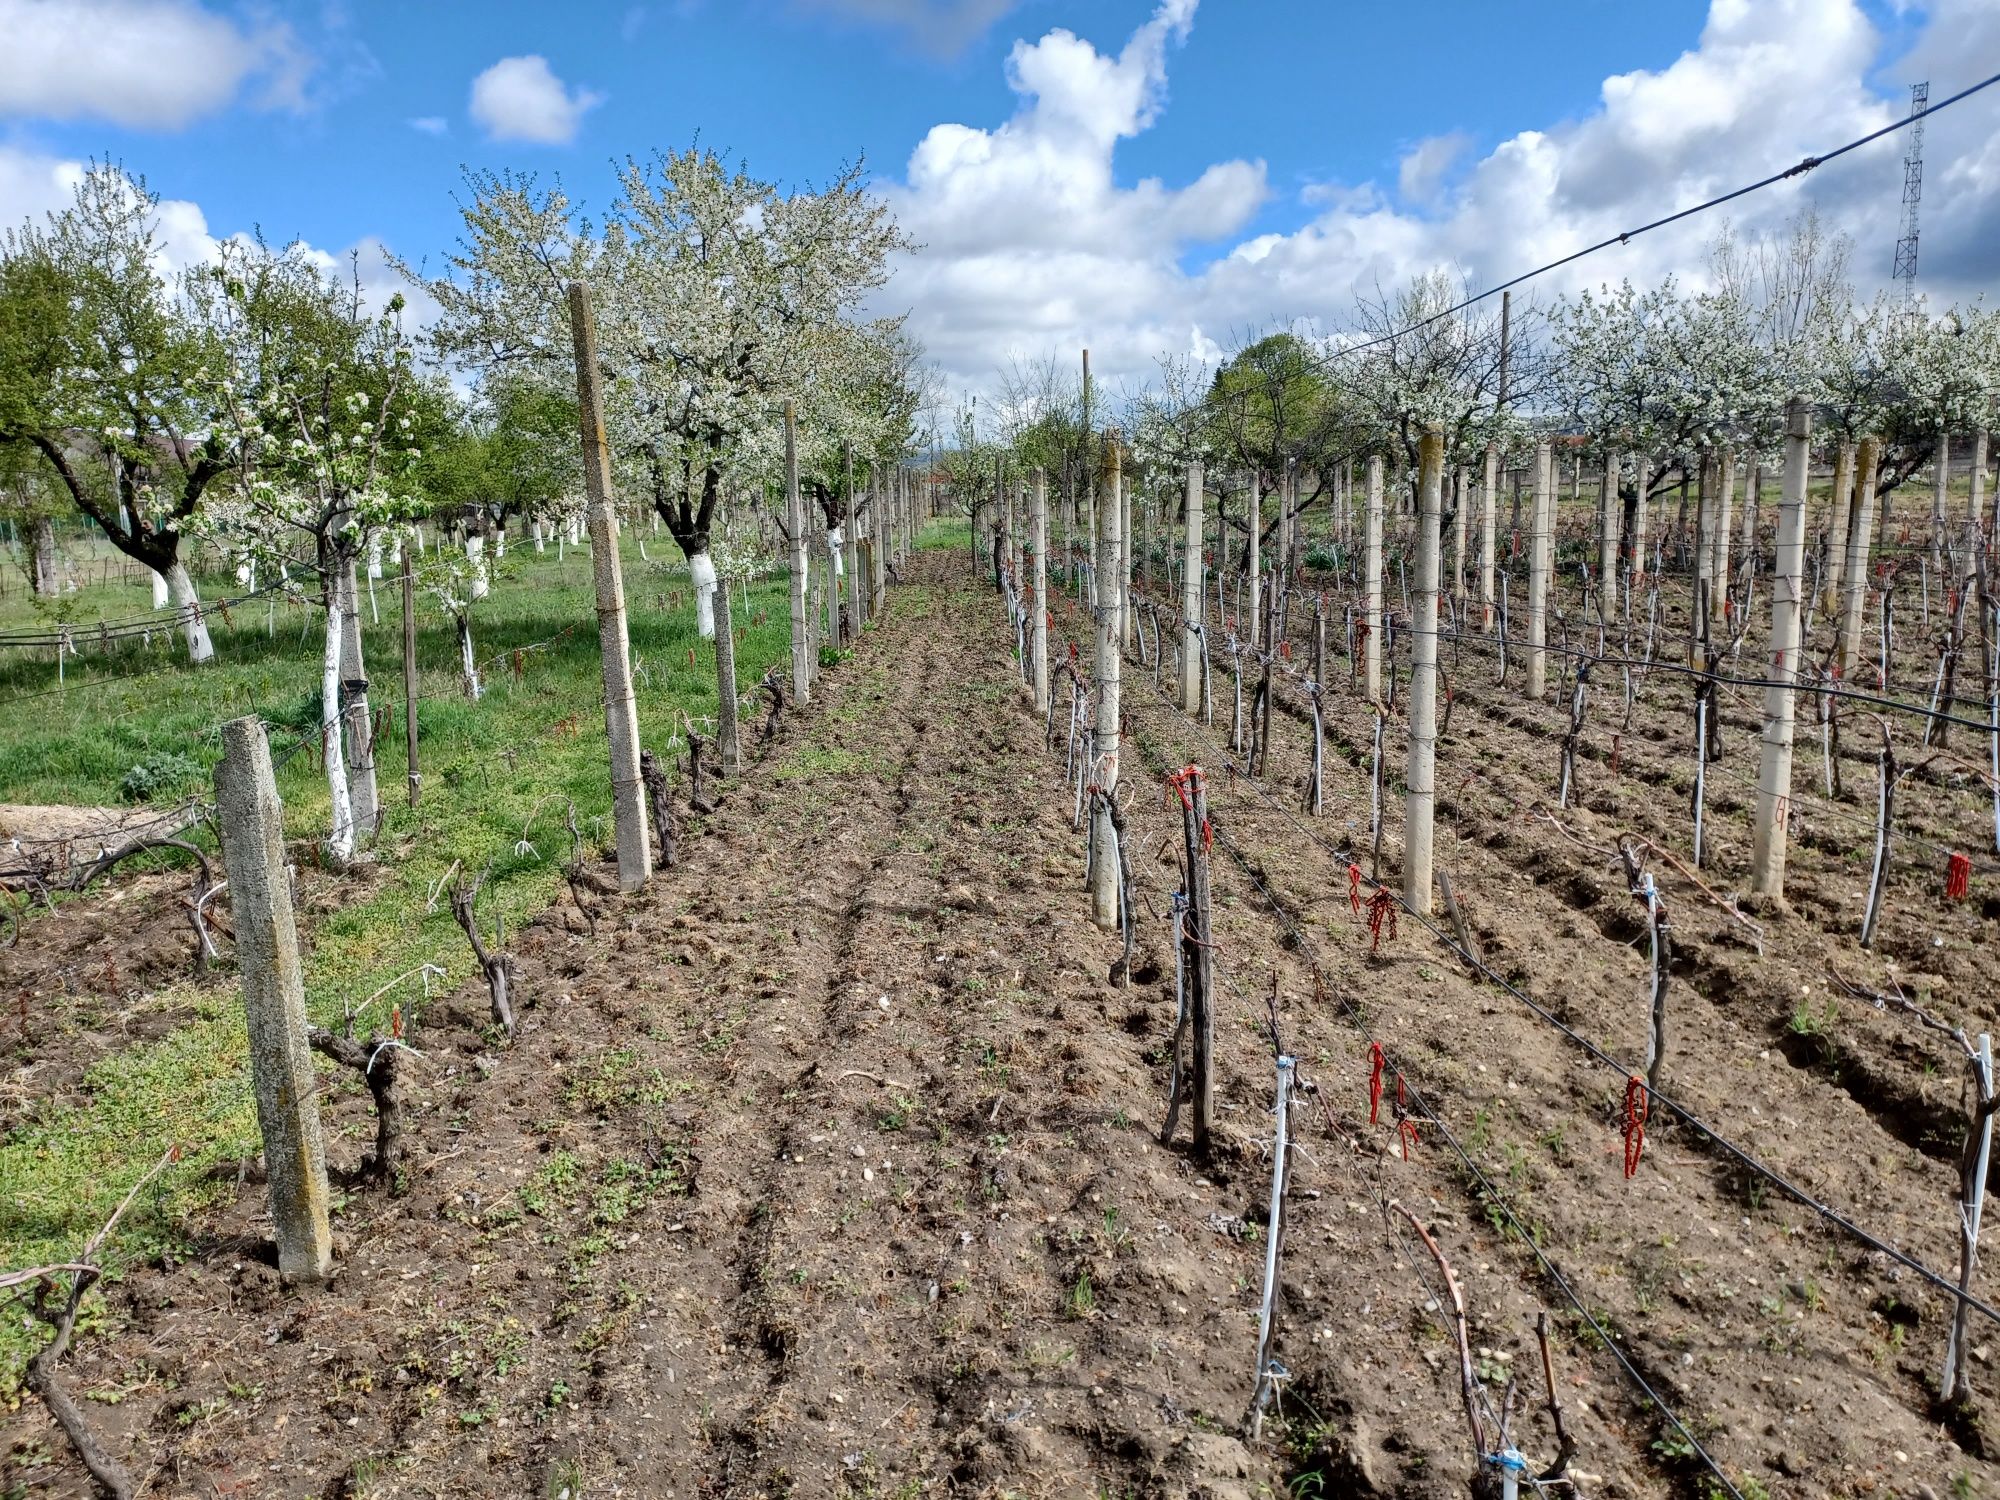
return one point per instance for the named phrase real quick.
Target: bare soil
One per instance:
(829, 1166)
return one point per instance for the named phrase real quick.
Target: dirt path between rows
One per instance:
(829, 1167)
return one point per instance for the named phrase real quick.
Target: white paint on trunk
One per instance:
(535, 530)
(701, 568)
(161, 597)
(835, 540)
(180, 589)
(375, 555)
(340, 839)
(475, 554)
(467, 664)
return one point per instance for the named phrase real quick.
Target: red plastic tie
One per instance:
(1377, 1061)
(1957, 872)
(1406, 1135)
(1381, 907)
(1637, 1106)
(1354, 886)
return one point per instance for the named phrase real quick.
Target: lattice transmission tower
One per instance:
(1904, 274)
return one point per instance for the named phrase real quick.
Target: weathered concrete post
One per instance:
(1460, 529)
(1538, 572)
(1854, 572)
(1420, 776)
(1489, 520)
(795, 528)
(274, 999)
(1191, 595)
(1371, 582)
(413, 776)
(621, 710)
(1975, 500)
(1609, 513)
(1718, 569)
(851, 541)
(1039, 601)
(1253, 516)
(1104, 883)
(1774, 769)
(1841, 509)
(878, 536)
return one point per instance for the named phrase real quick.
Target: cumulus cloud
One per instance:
(945, 27)
(146, 64)
(1031, 244)
(1028, 240)
(521, 99)
(1421, 173)
(430, 124)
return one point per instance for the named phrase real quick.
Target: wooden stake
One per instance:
(621, 710)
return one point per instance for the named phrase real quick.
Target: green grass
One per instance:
(487, 767)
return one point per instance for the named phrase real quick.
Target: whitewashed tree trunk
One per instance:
(162, 597)
(701, 569)
(537, 532)
(468, 665)
(375, 554)
(340, 836)
(43, 573)
(181, 590)
(360, 727)
(475, 554)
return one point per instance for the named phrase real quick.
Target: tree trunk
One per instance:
(360, 726)
(701, 568)
(43, 574)
(187, 603)
(340, 837)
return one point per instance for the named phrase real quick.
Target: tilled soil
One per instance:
(830, 1166)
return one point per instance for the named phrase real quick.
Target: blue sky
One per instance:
(1340, 142)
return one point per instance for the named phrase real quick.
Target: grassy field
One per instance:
(497, 775)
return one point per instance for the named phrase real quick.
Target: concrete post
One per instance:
(1253, 516)
(1460, 528)
(1718, 569)
(274, 999)
(1854, 572)
(413, 774)
(795, 527)
(1489, 520)
(1104, 766)
(1774, 769)
(1191, 595)
(1420, 775)
(1538, 572)
(1609, 513)
(621, 710)
(1940, 485)
(1840, 512)
(851, 541)
(1039, 601)
(1371, 583)
(878, 554)
(1975, 502)
(1128, 614)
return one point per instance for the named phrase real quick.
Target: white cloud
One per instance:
(430, 124)
(521, 99)
(1420, 174)
(147, 64)
(1030, 245)
(945, 27)
(1028, 241)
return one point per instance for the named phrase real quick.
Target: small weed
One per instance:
(1081, 1300)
